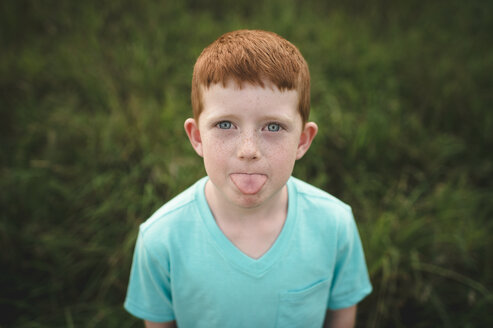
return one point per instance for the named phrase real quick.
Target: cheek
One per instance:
(216, 150)
(281, 147)
(282, 155)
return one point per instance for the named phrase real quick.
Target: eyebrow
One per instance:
(282, 118)
(266, 118)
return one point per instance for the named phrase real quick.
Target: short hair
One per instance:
(252, 56)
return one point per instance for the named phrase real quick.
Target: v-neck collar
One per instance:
(241, 261)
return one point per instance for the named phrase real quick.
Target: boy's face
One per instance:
(250, 139)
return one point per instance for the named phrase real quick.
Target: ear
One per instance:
(193, 133)
(309, 132)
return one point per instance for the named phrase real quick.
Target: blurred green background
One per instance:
(93, 96)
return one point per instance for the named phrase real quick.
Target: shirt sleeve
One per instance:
(350, 283)
(149, 290)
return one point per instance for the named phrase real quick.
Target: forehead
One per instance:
(249, 98)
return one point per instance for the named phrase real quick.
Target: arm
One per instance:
(342, 318)
(169, 324)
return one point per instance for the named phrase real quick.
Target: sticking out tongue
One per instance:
(248, 184)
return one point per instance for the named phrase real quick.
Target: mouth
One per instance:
(248, 183)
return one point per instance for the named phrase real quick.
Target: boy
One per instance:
(249, 245)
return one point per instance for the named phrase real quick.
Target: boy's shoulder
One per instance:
(176, 211)
(310, 192)
(321, 211)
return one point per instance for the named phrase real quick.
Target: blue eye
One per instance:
(273, 127)
(224, 125)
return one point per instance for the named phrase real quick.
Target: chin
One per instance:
(249, 201)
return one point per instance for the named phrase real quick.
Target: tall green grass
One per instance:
(93, 99)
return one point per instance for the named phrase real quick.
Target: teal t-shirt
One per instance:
(186, 269)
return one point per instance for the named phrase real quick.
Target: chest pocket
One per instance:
(304, 307)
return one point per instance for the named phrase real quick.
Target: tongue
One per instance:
(248, 183)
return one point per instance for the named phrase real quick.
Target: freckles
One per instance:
(278, 153)
(218, 149)
(278, 147)
(281, 155)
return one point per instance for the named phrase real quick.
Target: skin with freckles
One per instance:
(249, 138)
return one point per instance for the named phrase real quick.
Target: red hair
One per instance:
(252, 56)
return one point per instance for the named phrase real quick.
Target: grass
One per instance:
(93, 99)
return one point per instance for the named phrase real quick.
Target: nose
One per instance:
(248, 147)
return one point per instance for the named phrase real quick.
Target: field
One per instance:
(93, 96)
